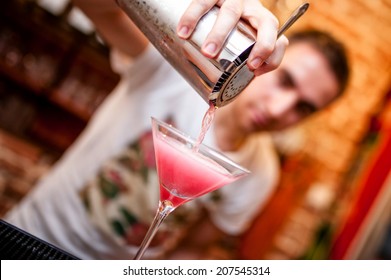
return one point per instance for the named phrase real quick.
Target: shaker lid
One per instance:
(233, 81)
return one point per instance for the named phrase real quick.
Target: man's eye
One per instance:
(305, 109)
(286, 80)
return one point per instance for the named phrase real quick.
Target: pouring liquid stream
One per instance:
(206, 123)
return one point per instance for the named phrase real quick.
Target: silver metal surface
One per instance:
(218, 80)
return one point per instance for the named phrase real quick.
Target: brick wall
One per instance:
(330, 140)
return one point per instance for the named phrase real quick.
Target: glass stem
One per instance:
(165, 208)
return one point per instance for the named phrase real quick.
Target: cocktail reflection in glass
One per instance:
(185, 171)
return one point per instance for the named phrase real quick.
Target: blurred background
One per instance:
(334, 196)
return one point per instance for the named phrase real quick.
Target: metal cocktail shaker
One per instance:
(218, 80)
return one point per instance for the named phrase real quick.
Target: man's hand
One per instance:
(267, 52)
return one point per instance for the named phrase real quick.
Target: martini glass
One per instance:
(186, 170)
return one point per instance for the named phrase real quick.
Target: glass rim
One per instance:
(203, 146)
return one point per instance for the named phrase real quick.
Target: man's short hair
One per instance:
(333, 50)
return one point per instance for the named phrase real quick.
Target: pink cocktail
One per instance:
(185, 172)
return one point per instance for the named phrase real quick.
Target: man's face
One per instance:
(301, 85)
